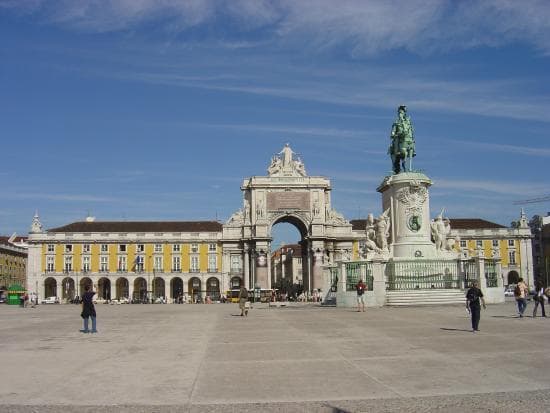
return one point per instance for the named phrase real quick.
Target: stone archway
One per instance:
(159, 289)
(194, 288)
(235, 283)
(213, 288)
(286, 194)
(104, 288)
(122, 288)
(50, 287)
(176, 287)
(513, 277)
(84, 281)
(68, 288)
(140, 290)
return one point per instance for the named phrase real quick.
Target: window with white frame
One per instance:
(236, 263)
(194, 248)
(511, 257)
(158, 264)
(511, 243)
(158, 247)
(68, 263)
(212, 263)
(195, 263)
(211, 247)
(122, 248)
(122, 263)
(103, 264)
(86, 248)
(68, 249)
(139, 263)
(104, 248)
(176, 263)
(85, 264)
(176, 248)
(51, 247)
(50, 263)
(463, 243)
(479, 243)
(140, 248)
(495, 243)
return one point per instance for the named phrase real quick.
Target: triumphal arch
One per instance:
(286, 194)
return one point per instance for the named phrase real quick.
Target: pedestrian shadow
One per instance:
(455, 329)
(505, 316)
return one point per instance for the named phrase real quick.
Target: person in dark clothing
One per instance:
(539, 298)
(88, 309)
(473, 298)
(360, 288)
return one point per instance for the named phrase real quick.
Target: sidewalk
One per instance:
(296, 358)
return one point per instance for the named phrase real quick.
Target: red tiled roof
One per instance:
(473, 223)
(141, 226)
(4, 239)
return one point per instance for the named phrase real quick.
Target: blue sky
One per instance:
(156, 110)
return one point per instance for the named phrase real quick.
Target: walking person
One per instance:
(360, 288)
(539, 298)
(473, 298)
(243, 300)
(88, 309)
(520, 292)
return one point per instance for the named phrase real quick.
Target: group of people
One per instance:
(474, 300)
(28, 300)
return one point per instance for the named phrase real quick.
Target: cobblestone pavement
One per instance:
(206, 358)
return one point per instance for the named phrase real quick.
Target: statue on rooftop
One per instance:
(402, 145)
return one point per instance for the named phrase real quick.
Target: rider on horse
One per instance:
(402, 136)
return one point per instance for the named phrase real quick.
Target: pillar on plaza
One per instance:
(379, 282)
(131, 289)
(59, 289)
(262, 273)
(317, 270)
(405, 198)
(246, 274)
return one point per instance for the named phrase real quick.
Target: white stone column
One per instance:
(246, 274)
(59, 289)
(406, 196)
(379, 282)
(113, 290)
(130, 289)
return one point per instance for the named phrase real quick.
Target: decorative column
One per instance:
(405, 196)
(59, 290)
(246, 274)
(113, 290)
(131, 289)
(379, 282)
(317, 270)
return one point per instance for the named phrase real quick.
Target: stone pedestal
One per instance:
(407, 198)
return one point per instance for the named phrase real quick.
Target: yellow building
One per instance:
(135, 260)
(13, 263)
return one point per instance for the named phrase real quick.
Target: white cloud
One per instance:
(492, 147)
(512, 189)
(359, 26)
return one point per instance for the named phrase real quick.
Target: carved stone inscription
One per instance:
(296, 201)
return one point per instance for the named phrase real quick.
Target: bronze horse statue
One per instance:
(402, 146)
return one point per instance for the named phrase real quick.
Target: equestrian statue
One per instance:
(402, 142)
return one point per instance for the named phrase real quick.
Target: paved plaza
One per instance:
(164, 358)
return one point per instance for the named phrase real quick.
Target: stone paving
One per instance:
(194, 358)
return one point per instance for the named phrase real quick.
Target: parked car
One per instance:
(50, 300)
